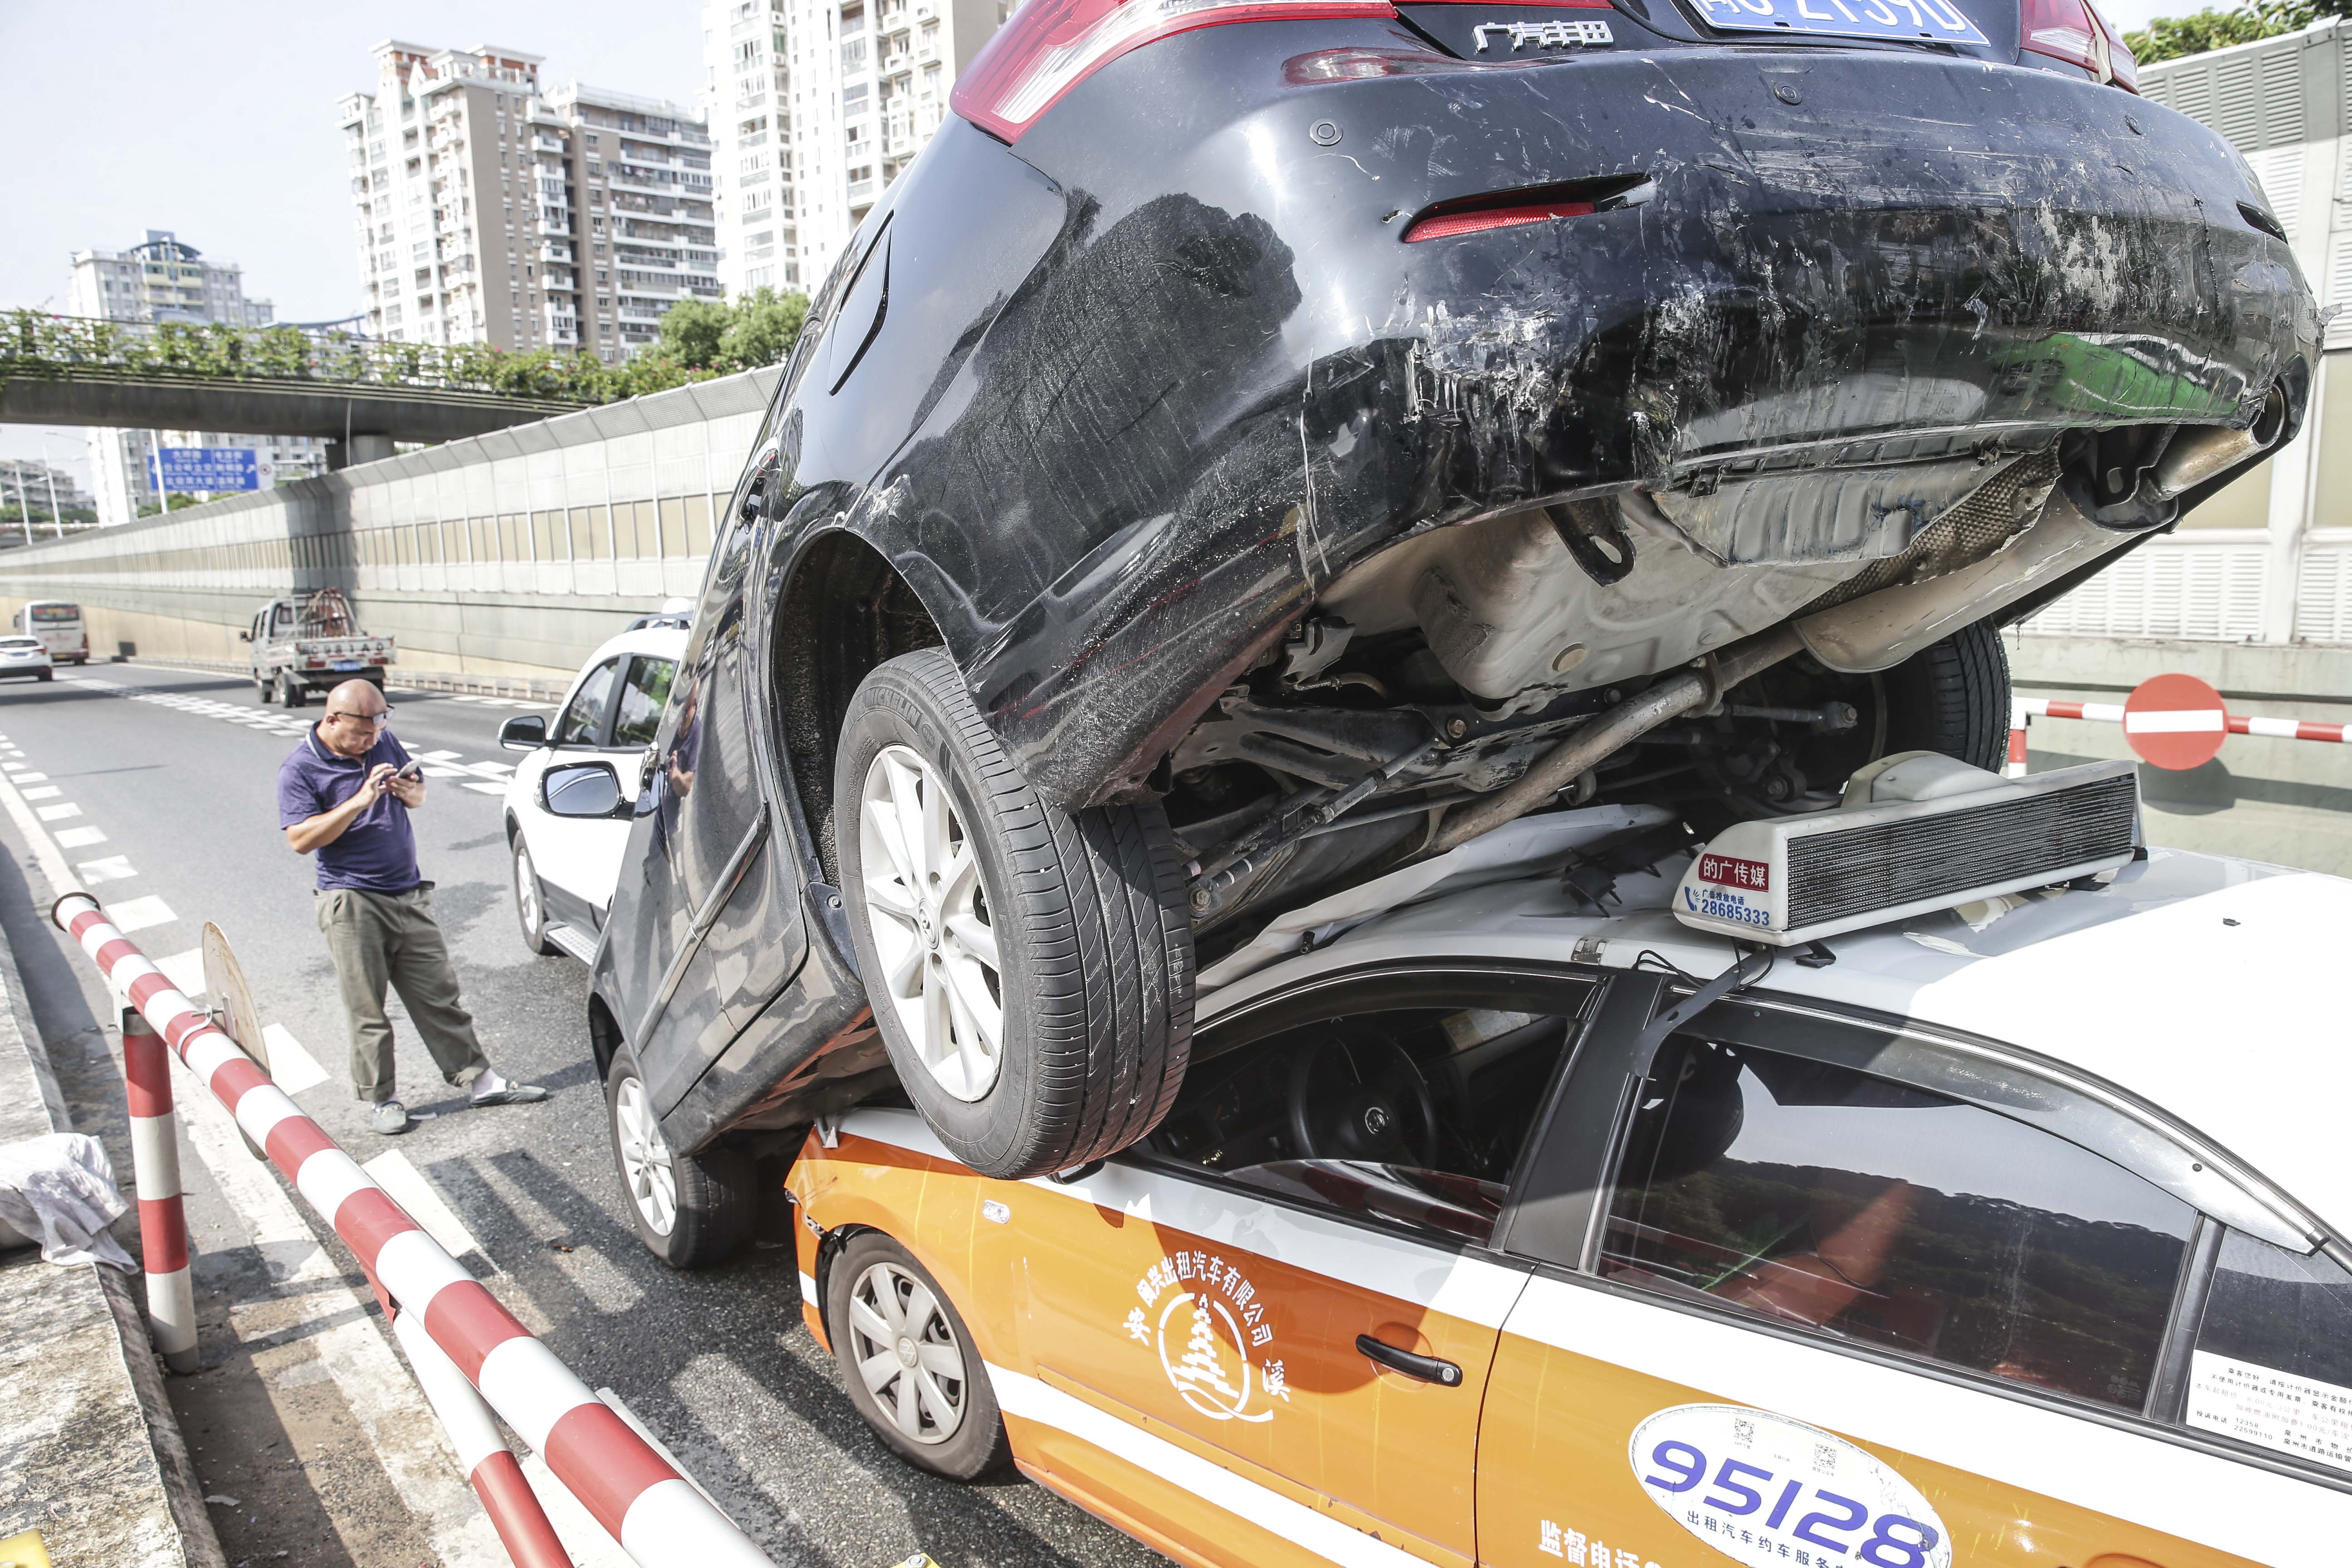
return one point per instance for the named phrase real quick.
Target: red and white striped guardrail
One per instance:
(655, 1514)
(162, 1217)
(491, 1468)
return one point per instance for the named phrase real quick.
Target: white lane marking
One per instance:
(11, 767)
(415, 1193)
(139, 914)
(46, 854)
(186, 971)
(56, 813)
(383, 1401)
(79, 838)
(485, 788)
(293, 1068)
(113, 868)
(32, 778)
(2264, 1516)
(433, 771)
(438, 756)
(42, 791)
(1327, 1538)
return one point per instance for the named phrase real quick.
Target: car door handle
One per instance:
(1427, 1368)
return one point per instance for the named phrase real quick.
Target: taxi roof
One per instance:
(2195, 982)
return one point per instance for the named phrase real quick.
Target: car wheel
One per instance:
(909, 1361)
(690, 1210)
(531, 903)
(295, 694)
(1030, 970)
(1953, 697)
(47, 675)
(261, 692)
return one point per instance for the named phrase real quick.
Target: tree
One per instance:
(765, 327)
(2175, 37)
(692, 332)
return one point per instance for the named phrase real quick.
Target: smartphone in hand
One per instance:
(412, 770)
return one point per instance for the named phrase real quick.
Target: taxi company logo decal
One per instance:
(1772, 1491)
(1209, 1327)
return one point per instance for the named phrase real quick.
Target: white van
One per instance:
(58, 626)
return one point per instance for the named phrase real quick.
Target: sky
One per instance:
(218, 122)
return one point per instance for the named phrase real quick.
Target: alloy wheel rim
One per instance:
(932, 923)
(647, 1165)
(907, 1353)
(526, 889)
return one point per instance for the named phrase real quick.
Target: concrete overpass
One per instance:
(363, 418)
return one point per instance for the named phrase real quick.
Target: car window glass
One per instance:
(586, 710)
(1816, 1195)
(643, 695)
(1412, 1116)
(2274, 1359)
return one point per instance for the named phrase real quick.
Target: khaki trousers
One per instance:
(380, 939)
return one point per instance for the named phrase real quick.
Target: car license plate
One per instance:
(344, 664)
(1936, 21)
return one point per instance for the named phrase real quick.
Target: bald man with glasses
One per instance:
(342, 796)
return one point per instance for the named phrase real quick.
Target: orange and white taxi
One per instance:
(1505, 1219)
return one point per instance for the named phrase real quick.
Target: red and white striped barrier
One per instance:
(655, 1513)
(491, 1468)
(162, 1217)
(2023, 708)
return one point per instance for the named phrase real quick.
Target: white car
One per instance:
(569, 803)
(23, 658)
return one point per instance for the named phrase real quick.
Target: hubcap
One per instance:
(646, 1164)
(906, 1353)
(932, 925)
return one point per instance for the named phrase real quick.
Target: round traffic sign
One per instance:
(2175, 722)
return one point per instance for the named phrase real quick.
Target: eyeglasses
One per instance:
(378, 720)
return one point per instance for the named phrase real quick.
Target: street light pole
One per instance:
(24, 514)
(49, 473)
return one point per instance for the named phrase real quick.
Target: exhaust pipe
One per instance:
(2199, 455)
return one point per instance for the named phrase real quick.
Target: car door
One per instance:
(721, 931)
(638, 698)
(1819, 1292)
(568, 852)
(1292, 1278)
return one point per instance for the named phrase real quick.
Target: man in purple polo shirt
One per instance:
(340, 796)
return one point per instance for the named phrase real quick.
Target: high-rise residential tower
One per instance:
(816, 106)
(163, 278)
(747, 95)
(489, 211)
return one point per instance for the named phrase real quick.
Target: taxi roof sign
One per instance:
(1917, 832)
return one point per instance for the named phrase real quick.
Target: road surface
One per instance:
(158, 785)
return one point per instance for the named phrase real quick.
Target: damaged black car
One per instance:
(1260, 446)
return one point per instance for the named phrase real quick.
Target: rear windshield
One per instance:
(56, 611)
(19, 642)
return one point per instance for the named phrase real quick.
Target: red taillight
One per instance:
(2073, 31)
(1444, 225)
(1050, 45)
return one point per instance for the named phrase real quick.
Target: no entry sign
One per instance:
(2175, 722)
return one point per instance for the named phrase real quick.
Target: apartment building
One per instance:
(747, 98)
(489, 211)
(165, 278)
(816, 106)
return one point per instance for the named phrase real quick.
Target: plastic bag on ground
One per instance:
(59, 1191)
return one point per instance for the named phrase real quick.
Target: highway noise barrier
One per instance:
(162, 1217)
(655, 1514)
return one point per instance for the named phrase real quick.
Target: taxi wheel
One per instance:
(530, 902)
(690, 1210)
(1030, 969)
(910, 1362)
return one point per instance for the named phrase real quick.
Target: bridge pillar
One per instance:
(344, 453)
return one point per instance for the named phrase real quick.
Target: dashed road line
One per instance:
(293, 1068)
(56, 813)
(79, 838)
(41, 791)
(113, 869)
(140, 915)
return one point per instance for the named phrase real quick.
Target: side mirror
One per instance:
(526, 733)
(244, 636)
(583, 790)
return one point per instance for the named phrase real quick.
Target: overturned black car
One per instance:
(1260, 445)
